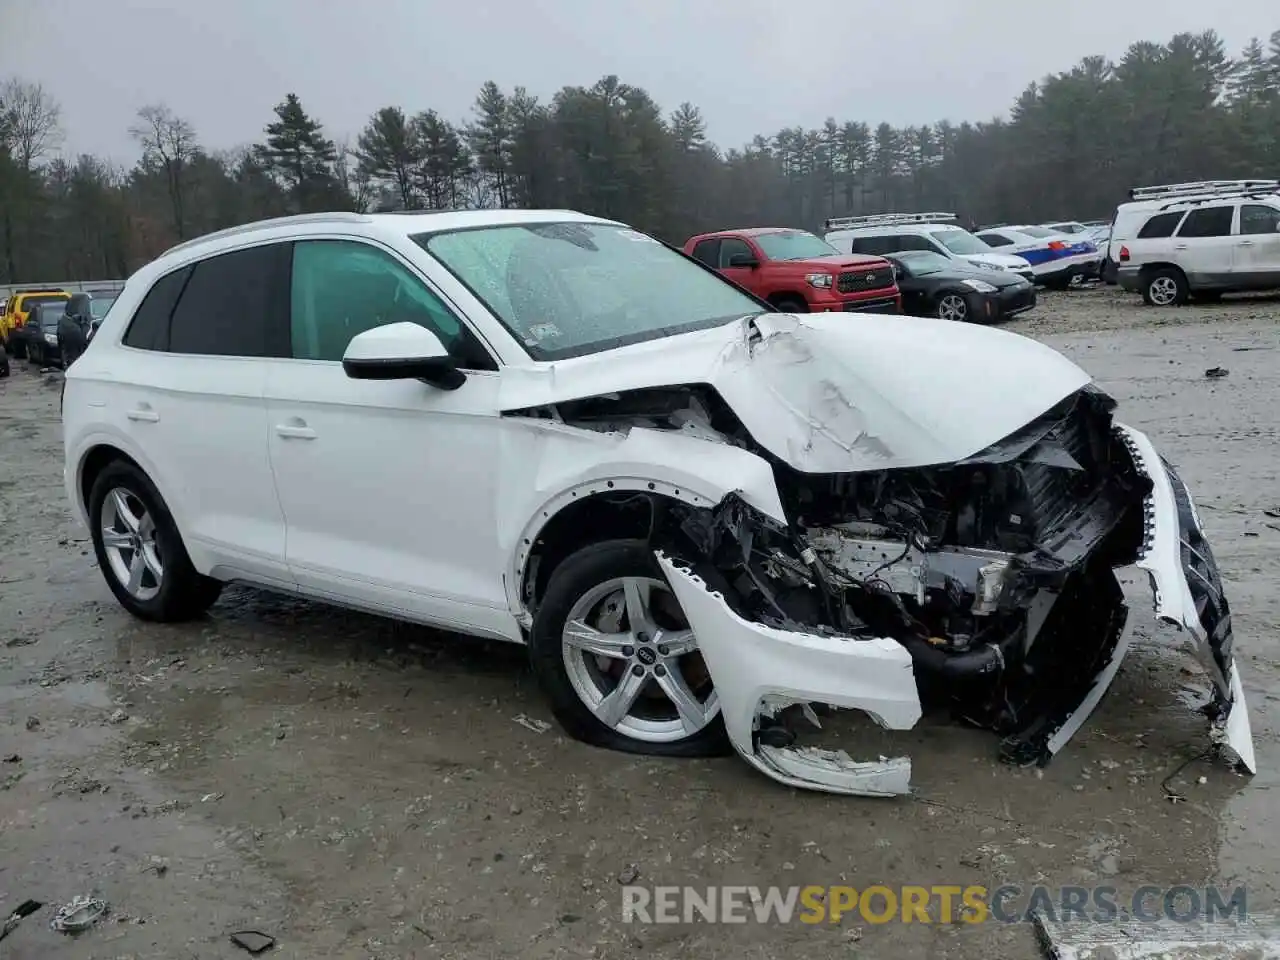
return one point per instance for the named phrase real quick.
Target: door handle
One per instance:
(1246, 243)
(295, 431)
(1179, 246)
(144, 414)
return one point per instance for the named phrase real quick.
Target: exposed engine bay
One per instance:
(993, 575)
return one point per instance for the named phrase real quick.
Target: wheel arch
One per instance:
(786, 296)
(596, 502)
(1147, 269)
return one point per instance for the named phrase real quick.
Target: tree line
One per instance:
(1070, 147)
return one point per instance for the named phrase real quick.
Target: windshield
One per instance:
(49, 317)
(568, 289)
(920, 263)
(99, 306)
(1039, 233)
(793, 245)
(961, 242)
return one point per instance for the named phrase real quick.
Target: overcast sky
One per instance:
(752, 66)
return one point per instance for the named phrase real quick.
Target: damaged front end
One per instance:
(985, 587)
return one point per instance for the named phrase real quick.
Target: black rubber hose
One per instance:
(987, 660)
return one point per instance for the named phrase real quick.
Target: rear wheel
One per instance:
(617, 660)
(33, 355)
(140, 551)
(951, 306)
(1165, 287)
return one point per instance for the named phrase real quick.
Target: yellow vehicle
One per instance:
(19, 305)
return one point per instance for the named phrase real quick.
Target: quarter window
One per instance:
(1161, 225)
(233, 305)
(342, 288)
(149, 328)
(875, 246)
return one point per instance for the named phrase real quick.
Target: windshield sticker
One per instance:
(636, 236)
(543, 331)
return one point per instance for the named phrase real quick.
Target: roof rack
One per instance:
(1204, 188)
(336, 216)
(887, 219)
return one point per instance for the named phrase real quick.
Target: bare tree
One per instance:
(169, 143)
(353, 178)
(30, 120)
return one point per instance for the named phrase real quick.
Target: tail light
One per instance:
(1057, 245)
(1124, 254)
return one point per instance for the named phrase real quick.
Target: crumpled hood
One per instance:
(829, 393)
(1007, 260)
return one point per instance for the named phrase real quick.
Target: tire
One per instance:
(952, 306)
(33, 355)
(178, 592)
(591, 586)
(1165, 287)
(791, 305)
(18, 349)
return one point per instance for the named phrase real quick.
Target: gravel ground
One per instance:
(358, 788)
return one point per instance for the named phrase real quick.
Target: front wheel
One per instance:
(614, 654)
(952, 306)
(140, 550)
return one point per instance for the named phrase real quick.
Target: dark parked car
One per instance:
(40, 334)
(935, 286)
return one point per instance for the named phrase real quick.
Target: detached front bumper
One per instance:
(1189, 593)
(759, 669)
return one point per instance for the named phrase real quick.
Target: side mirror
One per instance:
(898, 272)
(401, 351)
(743, 260)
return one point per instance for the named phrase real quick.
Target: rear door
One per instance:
(188, 389)
(1203, 245)
(1257, 262)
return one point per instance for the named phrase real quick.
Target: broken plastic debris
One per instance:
(24, 909)
(252, 940)
(530, 723)
(210, 797)
(80, 914)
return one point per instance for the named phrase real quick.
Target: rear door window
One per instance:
(708, 251)
(235, 305)
(1208, 222)
(877, 245)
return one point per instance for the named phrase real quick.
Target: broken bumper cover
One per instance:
(1188, 590)
(757, 667)
(753, 664)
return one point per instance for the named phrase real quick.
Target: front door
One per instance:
(1257, 261)
(388, 487)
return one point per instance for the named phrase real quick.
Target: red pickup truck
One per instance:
(798, 272)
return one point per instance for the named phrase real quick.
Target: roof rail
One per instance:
(1204, 188)
(336, 216)
(1198, 199)
(887, 219)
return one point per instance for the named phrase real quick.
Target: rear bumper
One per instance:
(1128, 276)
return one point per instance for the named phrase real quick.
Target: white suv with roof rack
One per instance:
(1198, 239)
(883, 234)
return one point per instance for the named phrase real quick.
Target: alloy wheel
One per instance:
(953, 307)
(1163, 291)
(633, 661)
(129, 537)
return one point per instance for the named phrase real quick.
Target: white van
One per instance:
(883, 234)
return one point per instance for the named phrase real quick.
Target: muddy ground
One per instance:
(358, 788)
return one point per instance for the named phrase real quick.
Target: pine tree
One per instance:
(299, 155)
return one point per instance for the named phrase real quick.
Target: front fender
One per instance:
(553, 465)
